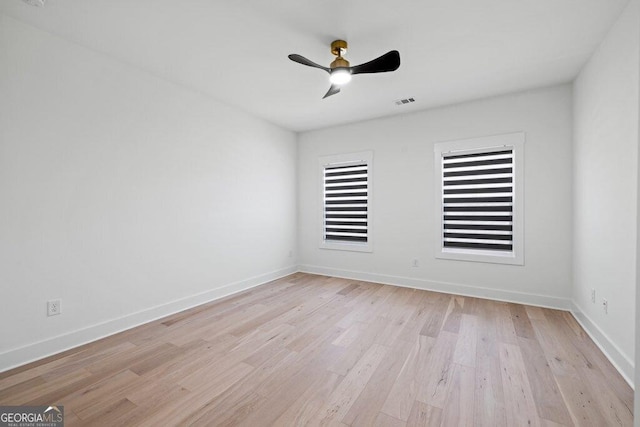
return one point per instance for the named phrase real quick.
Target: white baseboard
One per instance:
(619, 360)
(623, 363)
(39, 350)
(445, 287)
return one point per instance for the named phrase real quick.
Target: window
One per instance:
(346, 201)
(479, 199)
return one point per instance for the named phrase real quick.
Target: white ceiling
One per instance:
(236, 50)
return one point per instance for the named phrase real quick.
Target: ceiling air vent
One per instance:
(38, 3)
(405, 101)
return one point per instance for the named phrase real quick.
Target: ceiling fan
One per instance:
(340, 72)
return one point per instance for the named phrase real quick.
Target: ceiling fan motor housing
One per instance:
(339, 63)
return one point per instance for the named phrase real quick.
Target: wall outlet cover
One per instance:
(54, 307)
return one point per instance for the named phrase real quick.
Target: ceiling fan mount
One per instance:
(340, 71)
(338, 47)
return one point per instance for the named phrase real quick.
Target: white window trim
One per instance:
(345, 159)
(514, 140)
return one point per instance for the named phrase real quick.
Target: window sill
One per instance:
(479, 256)
(352, 247)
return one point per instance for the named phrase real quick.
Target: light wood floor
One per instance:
(324, 351)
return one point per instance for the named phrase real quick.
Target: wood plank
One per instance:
(459, 406)
(557, 356)
(546, 395)
(424, 415)
(612, 407)
(26, 386)
(453, 316)
(373, 396)
(582, 405)
(407, 384)
(521, 321)
(348, 288)
(112, 414)
(489, 405)
(472, 306)
(158, 358)
(345, 395)
(384, 420)
(50, 391)
(305, 408)
(519, 402)
(505, 328)
(436, 375)
(433, 324)
(284, 387)
(98, 398)
(415, 323)
(465, 352)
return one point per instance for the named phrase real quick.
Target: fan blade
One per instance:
(304, 61)
(390, 61)
(332, 91)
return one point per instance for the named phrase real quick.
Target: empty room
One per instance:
(341, 213)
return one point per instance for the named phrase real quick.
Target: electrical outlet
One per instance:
(605, 306)
(54, 307)
(593, 296)
(414, 262)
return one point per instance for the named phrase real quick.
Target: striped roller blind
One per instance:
(477, 195)
(346, 202)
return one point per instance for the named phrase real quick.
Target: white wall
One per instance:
(636, 410)
(605, 188)
(404, 217)
(126, 196)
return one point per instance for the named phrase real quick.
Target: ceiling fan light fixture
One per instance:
(340, 76)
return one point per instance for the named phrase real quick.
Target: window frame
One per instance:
(514, 141)
(345, 160)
